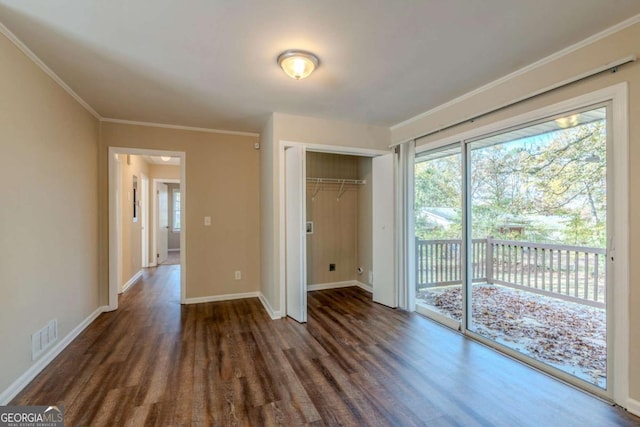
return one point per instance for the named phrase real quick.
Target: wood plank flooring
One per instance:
(155, 362)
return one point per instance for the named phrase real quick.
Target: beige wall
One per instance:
(311, 130)
(130, 166)
(335, 236)
(49, 214)
(268, 203)
(164, 171)
(222, 181)
(284, 127)
(604, 51)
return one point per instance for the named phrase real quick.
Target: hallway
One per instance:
(173, 258)
(155, 362)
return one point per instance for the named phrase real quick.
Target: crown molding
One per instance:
(48, 71)
(178, 127)
(546, 60)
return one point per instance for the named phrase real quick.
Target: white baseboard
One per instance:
(333, 285)
(225, 297)
(41, 363)
(173, 250)
(365, 286)
(633, 406)
(132, 281)
(270, 311)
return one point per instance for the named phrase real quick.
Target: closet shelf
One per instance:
(340, 181)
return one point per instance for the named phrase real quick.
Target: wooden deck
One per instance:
(154, 362)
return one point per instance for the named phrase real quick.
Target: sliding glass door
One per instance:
(438, 227)
(535, 230)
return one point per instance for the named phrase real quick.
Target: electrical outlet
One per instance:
(207, 220)
(332, 267)
(238, 275)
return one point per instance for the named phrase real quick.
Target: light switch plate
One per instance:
(207, 220)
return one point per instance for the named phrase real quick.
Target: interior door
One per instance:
(296, 247)
(384, 241)
(144, 223)
(163, 223)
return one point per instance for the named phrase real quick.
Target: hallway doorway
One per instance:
(134, 217)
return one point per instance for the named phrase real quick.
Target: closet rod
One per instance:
(337, 181)
(611, 67)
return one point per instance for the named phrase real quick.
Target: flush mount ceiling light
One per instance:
(298, 64)
(568, 122)
(165, 158)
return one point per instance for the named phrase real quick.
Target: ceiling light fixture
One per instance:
(298, 64)
(568, 122)
(165, 158)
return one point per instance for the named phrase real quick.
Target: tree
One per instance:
(514, 184)
(438, 184)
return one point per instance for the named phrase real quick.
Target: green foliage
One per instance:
(438, 184)
(550, 187)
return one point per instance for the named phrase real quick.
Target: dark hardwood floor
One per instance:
(154, 362)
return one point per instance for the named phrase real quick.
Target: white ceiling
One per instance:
(157, 160)
(212, 63)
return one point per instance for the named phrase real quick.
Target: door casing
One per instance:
(115, 227)
(283, 145)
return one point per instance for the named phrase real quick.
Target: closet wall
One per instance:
(341, 220)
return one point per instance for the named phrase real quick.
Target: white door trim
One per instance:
(144, 218)
(115, 228)
(282, 145)
(115, 246)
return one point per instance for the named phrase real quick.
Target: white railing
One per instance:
(572, 273)
(438, 262)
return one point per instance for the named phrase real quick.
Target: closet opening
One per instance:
(338, 221)
(337, 216)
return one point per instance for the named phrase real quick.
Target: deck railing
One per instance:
(572, 273)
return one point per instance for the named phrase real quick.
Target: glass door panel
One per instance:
(438, 219)
(538, 219)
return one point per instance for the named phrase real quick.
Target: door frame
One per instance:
(156, 213)
(144, 218)
(320, 148)
(618, 173)
(115, 226)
